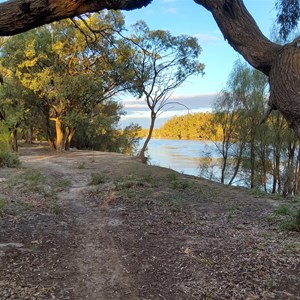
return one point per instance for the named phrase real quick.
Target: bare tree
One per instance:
(161, 63)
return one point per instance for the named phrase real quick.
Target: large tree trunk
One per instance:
(242, 33)
(280, 63)
(59, 135)
(69, 135)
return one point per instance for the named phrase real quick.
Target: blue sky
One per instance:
(186, 17)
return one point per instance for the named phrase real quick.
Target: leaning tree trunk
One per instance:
(69, 135)
(142, 155)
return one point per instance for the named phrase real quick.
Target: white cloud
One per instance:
(138, 112)
(205, 38)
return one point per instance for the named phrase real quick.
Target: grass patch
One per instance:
(132, 186)
(291, 223)
(81, 165)
(56, 208)
(178, 184)
(3, 204)
(130, 181)
(283, 210)
(97, 178)
(291, 247)
(233, 211)
(257, 192)
(34, 178)
(13, 208)
(60, 184)
(9, 159)
(287, 217)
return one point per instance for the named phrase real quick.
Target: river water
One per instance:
(180, 155)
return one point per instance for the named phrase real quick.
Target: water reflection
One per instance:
(179, 155)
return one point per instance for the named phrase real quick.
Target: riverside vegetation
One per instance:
(263, 156)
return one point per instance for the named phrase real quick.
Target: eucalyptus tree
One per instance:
(161, 63)
(279, 62)
(239, 110)
(69, 72)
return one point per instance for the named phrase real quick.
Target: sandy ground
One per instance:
(93, 225)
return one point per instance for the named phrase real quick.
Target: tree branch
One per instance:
(17, 16)
(242, 32)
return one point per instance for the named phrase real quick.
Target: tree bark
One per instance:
(69, 135)
(59, 134)
(17, 16)
(15, 140)
(242, 33)
(144, 148)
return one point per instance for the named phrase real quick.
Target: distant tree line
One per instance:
(192, 126)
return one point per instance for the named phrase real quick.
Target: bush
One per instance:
(9, 159)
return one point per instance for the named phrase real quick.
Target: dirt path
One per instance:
(92, 225)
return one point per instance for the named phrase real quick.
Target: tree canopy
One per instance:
(66, 73)
(280, 62)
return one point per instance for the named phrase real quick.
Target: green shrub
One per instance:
(178, 184)
(97, 178)
(9, 159)
(283, 210)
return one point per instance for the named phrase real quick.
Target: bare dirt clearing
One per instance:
(93, 225)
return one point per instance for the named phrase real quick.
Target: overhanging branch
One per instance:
(242, 32)
(17, 16)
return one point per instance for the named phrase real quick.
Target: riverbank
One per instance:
(94, 225)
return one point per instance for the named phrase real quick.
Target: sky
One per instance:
(187, 17)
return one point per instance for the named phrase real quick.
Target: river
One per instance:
(180, 155)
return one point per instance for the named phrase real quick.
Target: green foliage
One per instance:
(178, 184)
(4, 138)
(97, 178)
(283, 210)
(65, 74)
(161, 63)
(102, 134)
(251, 152)
(9, 159)
(197, 126)
(288, 16)
(3, 204)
